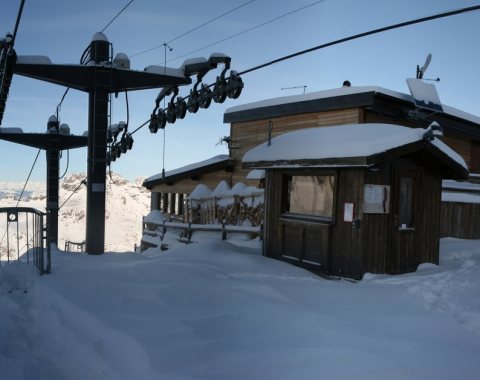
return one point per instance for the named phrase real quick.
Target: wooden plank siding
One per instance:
(378, 245)
(273, 233)
(461, 145)
(377, 227)
(428, 214)
(460, 220)
(346, 246)
(247, 135)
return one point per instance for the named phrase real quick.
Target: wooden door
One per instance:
(403, 252)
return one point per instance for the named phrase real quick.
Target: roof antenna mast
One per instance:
(421, 71)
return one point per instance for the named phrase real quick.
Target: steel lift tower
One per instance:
(54, 141)
(99, 78)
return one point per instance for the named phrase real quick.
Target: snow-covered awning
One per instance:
(350, 145)
(220, 162)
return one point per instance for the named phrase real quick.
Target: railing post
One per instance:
(42, 229)
(164, 230)
(49, 248)
(224, 231)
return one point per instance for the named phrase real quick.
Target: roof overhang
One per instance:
(193, 174)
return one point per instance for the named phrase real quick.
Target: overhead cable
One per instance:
(194, 29)
(249, 29)
(365, 34)
(118, 14)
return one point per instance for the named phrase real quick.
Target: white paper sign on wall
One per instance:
(348, 212)
(376, 199)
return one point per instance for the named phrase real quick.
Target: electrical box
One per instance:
(376, 199)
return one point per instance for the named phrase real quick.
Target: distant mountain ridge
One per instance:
(13, 190)
(126, 203)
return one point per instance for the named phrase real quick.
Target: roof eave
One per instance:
(226, 165)
(306, 106)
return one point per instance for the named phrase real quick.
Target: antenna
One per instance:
(421, 71)
(294, 87)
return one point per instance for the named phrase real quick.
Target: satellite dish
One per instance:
(425, 65)
(425, 95)
(421, 71)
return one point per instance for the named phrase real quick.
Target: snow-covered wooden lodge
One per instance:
(255, 123)
(351, 199)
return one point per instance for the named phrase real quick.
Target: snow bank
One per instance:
(220, 311)
(154, 216)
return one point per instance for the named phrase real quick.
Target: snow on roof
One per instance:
(37, 59)
(460, 185)
(11, 130)
(165, 71)
(354, 140)
(458, 197)
(99, 36)
(343, 91)
(187, 168)
(256, 174)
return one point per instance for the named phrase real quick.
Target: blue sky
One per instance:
(61, 30)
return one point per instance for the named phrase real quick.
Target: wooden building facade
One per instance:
(169, 192)
(255, 123)
(347, 214)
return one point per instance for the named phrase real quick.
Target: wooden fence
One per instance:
(232, 210)
(460, 220)
(157, 230)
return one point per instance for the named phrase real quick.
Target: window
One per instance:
(405, 205)
(475, 158)
(311, 195)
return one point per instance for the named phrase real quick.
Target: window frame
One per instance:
(286, 214)
(406, 203)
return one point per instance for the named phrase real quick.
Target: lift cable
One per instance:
(17, 22)
(118, 14)
(194, 29)
(66, 168)
(365, 34)
(140, 127)
(59, 106)
(24, 186)
(28, 178)
(83, 182)
(350, 38)
(249, 29)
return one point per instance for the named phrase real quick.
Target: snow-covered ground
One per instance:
(127, 202)
(216, 310)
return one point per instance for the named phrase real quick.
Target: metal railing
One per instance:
(71, 246)
(25, 237)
